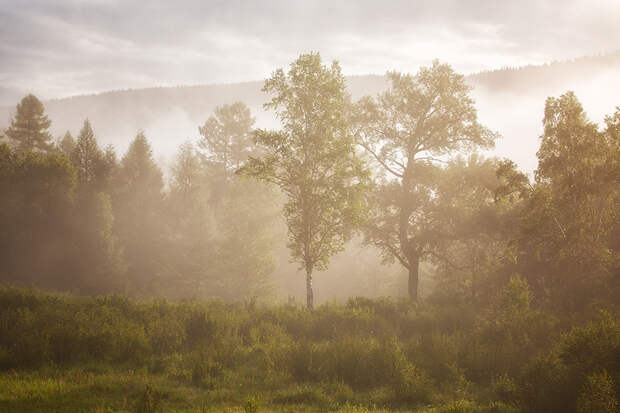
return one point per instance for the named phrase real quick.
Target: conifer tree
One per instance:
(66, 144)
(87, 157)
(29, 127)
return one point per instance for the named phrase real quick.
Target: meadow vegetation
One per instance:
(72, 353)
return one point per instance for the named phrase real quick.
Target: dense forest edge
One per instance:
(127, 289)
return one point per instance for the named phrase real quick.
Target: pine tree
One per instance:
(29, 127)
(66, 144)
(87, 157)
(138, 203)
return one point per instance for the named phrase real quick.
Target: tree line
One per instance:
(75, 217)
(401, 168)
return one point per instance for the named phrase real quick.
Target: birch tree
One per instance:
(312, 159)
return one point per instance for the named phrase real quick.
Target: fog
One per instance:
(288, 205)
(509, 102)
(516, 112)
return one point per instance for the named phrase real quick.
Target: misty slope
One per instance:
(510, 101)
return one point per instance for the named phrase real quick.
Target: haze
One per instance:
(281, 206)
(58, 49)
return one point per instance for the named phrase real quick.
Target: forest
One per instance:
(129, 287)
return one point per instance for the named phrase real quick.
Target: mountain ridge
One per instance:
(509, 100)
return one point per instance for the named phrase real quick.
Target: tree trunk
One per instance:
(414, 272)
(310, 294)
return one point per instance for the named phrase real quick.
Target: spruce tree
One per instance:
(29, 127)
(66, 144)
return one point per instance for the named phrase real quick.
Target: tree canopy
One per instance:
(406, 131)
(29, 127)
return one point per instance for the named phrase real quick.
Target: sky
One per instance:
(62, 48)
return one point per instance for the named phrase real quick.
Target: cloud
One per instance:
(56, 49)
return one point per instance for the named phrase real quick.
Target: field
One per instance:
(62, 353)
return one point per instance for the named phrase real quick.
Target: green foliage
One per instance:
(251, 405)
(570, 214)
(515, 300)
(29, 126)
(365, 353)
(598, 395)
(587, 349)
(149, 401)
(66, 144)
(138, 201)
(226, 138)
(546, 386)
(313, 163)
(404, 130)
(37, 192)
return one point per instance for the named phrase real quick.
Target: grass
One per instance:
(102, 389)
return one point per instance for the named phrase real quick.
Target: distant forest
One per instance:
(117, 115)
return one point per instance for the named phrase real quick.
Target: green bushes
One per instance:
(360, 352)
(149, 401)
(593, 347)
(597, 395)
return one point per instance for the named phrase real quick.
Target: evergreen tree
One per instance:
(66, 144)
(87, 158)
(35, 214)
(29, 127)
(138, 202)
(190, 224)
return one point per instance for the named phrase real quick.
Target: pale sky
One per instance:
(62, 48)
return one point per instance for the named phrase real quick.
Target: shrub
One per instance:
(411, 385)
(546, 386)
(149, 401)
(597, 395)
(593, 347)
(251, 405)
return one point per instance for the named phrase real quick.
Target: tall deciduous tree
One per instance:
(29, 126)
(312, 159)
(405, 130)
(567, 236)
(476, 225)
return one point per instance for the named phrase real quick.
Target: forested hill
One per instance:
(510, 101)
(545, 76)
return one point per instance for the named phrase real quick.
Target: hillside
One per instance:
(510, 101)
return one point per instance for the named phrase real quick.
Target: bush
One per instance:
(149, 401)
(546, 386)
(597, 395)
(593, 347)
(251, 405)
